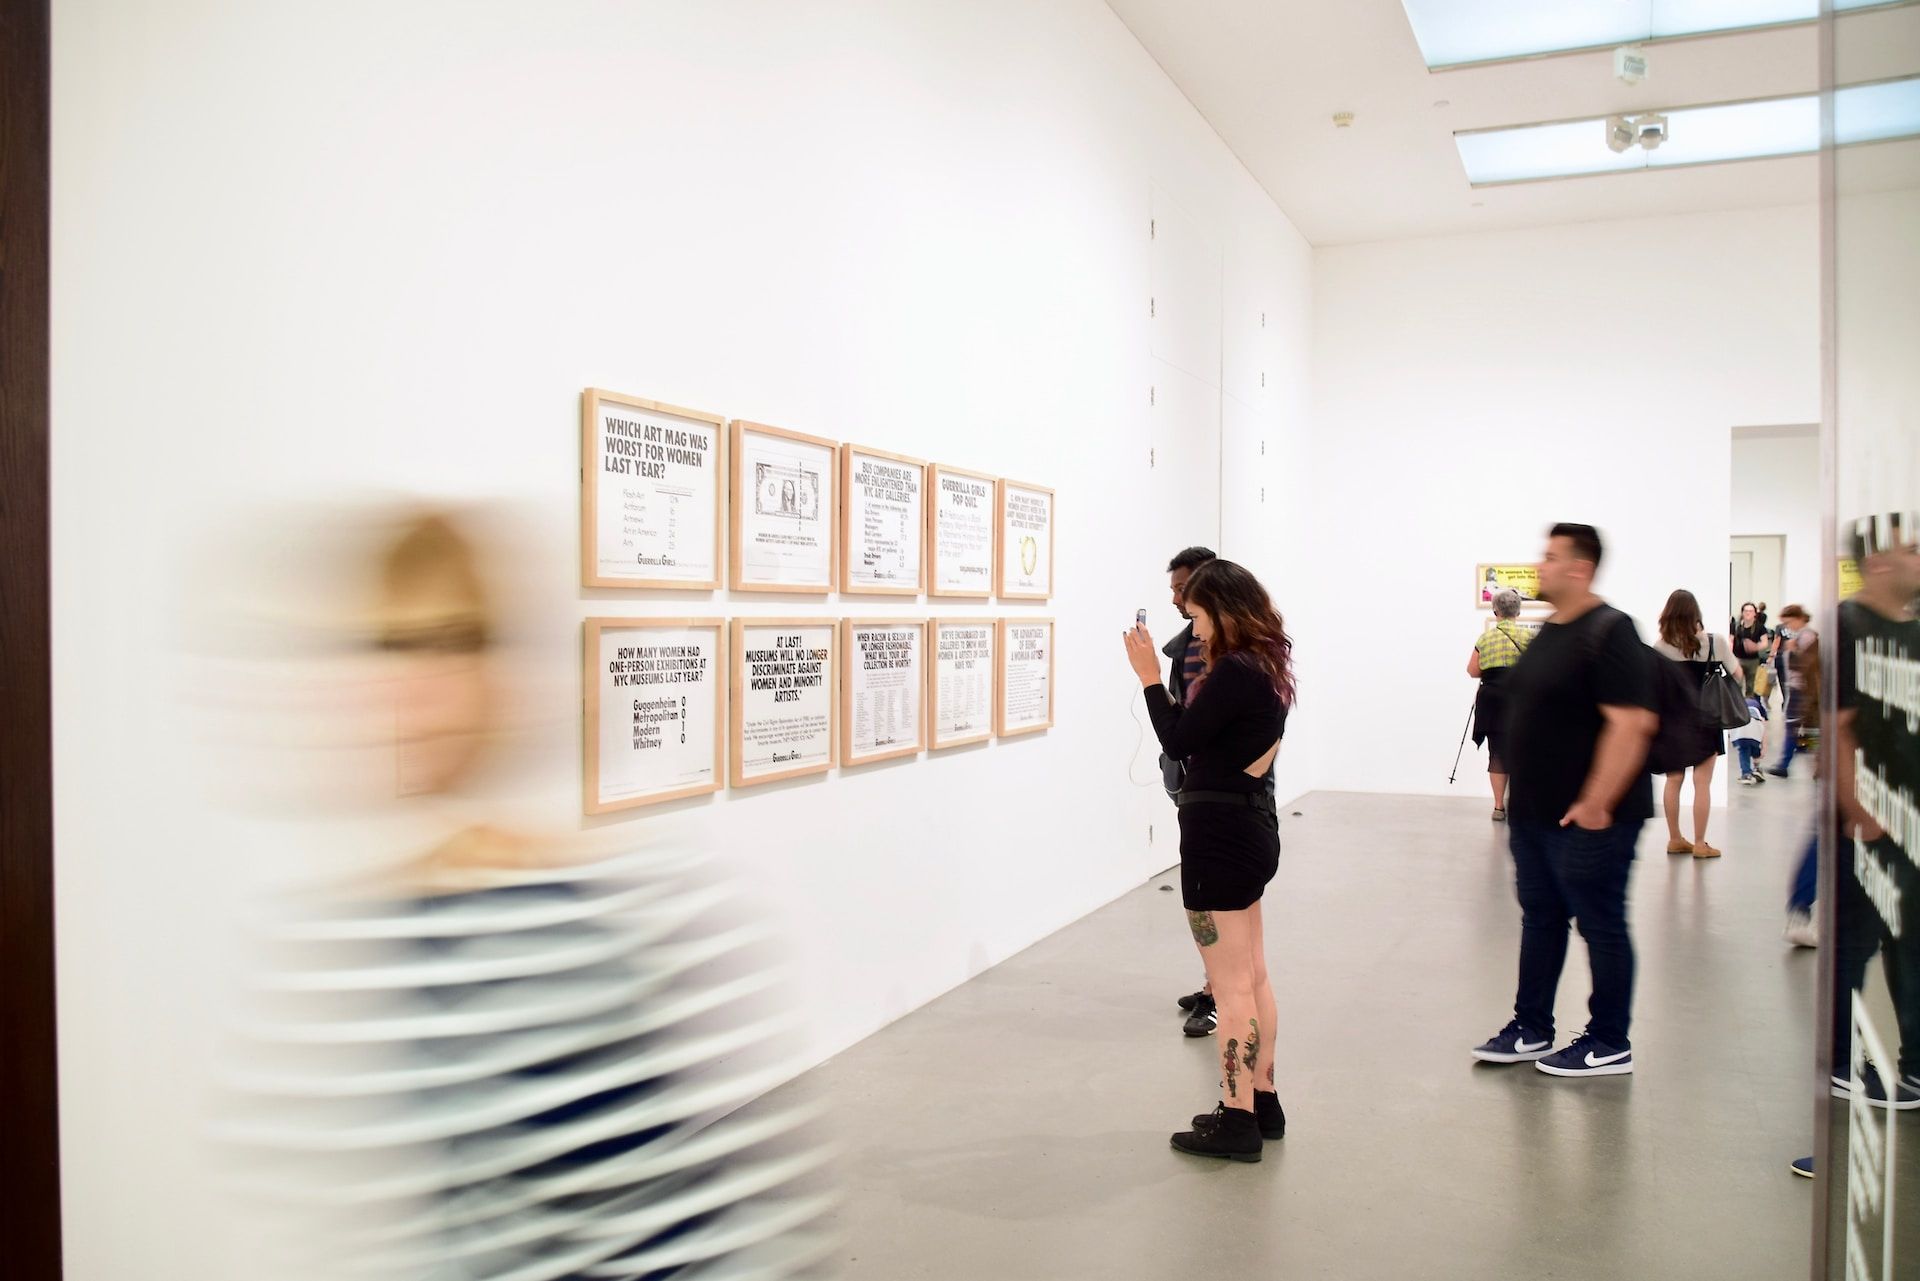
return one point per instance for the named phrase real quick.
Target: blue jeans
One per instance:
(1565, 874)
(1806, 878)
(1749, 755)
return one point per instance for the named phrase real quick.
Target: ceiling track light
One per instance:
(1646, 132)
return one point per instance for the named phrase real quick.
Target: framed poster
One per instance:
(1026, 676)
(655, 697)
(960, 683)
(960, 532)
(1025, 518)
(1488, 579)
(650, 493)
(783, 510)
(783, 698)
(882, 689)
(882, 517)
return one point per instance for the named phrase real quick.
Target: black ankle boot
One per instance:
(1227, 1132)
(1270, 1115)
(1267, 1114)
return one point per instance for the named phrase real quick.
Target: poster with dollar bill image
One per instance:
(960, 681)
(655, 693)
(783, 522)
(961, 525)
(783, 700)
(650, 493)
(1026, 676)
(882, 689)
(882, 522)
(1025, 517)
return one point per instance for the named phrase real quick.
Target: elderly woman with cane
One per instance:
(1494, 655)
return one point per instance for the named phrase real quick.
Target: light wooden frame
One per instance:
(932, 534)
(590, 576)
(590, 703)
(847, 588)
(847, 650)
(737, 493)
(1000, 533)
(1000, 729)
(736, 687)
(933, 682)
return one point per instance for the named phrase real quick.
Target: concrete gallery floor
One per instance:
(1017, 1127)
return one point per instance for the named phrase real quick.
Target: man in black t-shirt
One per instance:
(1580, 714)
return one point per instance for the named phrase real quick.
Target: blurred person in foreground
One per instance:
(1229, 737)
(1492, 661)
(504, 1054)
(1876, 764)
(1581, 714)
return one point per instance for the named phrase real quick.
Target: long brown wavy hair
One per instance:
(1244, 622)
(1680, 623)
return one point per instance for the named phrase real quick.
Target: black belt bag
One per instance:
(1252, 800)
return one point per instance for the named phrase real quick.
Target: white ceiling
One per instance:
(1270, 74)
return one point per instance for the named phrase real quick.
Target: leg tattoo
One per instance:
(1205, 933)
(1252, 1051)
(1233, 1068)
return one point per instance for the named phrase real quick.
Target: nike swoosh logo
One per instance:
(1611, 1058)
(1524, 1048)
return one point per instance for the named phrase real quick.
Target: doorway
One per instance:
(1755, 567)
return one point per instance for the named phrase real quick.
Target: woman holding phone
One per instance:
(1229, 833)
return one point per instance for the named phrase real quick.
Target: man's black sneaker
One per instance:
(1205, 1017)
(1588, 1057)
(1905, 1096)
(1514, 1044)
(1188, 1001)
(1267, 1114)
(1226, 1132)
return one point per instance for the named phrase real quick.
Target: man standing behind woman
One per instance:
(1684, 639)
(1229, 832)
(1494, 655)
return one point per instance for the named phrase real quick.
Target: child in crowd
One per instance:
(1747, 740)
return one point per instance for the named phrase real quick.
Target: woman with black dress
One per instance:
(1229, 833)
(1684, 639)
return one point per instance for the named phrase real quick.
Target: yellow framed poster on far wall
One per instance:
(1488, 579)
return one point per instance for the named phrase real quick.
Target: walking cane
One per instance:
(1463, 744)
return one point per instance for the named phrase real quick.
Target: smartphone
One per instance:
(1140, 618)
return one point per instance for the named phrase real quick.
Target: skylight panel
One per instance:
(1455, 32)
(1712, 134)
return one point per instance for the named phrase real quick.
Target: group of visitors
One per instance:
(1578, 714)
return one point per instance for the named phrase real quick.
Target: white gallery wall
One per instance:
(1776, 493)
(1470, 391)
(303, 251)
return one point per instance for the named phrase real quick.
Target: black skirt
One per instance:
(1228, 853)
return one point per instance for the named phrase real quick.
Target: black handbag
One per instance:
(1722, 704)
